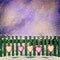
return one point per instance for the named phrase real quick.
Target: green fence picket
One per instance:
(8, 44)
(34, 43)
(12, 45)
(0, 46)
(4, 45)
(42, 45)
(30, 43)
(50, 44)
(21, 44)
(58, 38)
(46, 45)
(38, 43)
(25, 45)
(55, 45)
(16, 45)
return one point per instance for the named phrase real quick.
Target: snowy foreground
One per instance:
(30, 58)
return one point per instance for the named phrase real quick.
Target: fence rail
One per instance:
(45, 45)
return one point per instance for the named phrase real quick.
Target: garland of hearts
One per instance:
(30, 48)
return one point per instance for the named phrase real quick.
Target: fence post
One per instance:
(42, 45)
(20, 43)
(30, 43)
(46, 45)
(58, 46)
(4, 45)
(38, 43)
(55, 45)
(12, 45)
(25, 45)
(0, 46)
(8, 44)
(34, 43)
(50, 44)
(16, 45)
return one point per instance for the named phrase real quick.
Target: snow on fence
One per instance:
(29, 45)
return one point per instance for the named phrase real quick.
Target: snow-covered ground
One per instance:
(30, 58)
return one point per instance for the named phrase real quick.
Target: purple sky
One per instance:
(30, 17)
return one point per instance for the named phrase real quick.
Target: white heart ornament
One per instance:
(8, 48)
(50, 48)
(30, 48)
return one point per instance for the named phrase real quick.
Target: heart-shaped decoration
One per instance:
(50, 48)
(8, 48)
(30, 48)
(20, 48)
(38, 49)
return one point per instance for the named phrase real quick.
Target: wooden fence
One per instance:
(33, 43)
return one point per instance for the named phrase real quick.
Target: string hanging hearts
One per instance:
(8, 48)
(30, 48)
(20, 48)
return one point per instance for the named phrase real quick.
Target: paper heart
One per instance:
(30, 48)
(8, 48)
(50, 48)
(20, 48)
(38, 49)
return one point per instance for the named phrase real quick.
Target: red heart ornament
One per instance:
(38, 49)
(20, 48)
